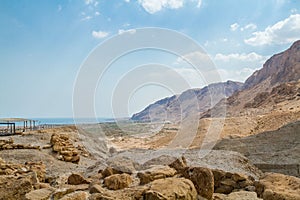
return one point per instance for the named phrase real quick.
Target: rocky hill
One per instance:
(267, 89)
(179, 106)
(280, 68)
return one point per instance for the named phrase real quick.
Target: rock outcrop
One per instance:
(203, 179)
(171, 189)
(275, 186)
(118, 181)
(77, 179)
(280, 68)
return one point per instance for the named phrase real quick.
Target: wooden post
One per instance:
(14, 128)
(24, 127)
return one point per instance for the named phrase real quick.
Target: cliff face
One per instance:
(280, 68)
(179, 106)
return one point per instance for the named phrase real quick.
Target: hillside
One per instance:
(267, 89)
(274, 150)
(179, 106)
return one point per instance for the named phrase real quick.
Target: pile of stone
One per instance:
(62, 144)
(16, 180)
(9, 145)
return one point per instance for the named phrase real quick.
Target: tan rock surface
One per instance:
(241, 195)
(41, 194)
(278, 186)
(203, 180)
(171, 189)
(77, 179)
(154, 173)
(118, 181)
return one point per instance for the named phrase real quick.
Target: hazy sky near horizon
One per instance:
(43, 44)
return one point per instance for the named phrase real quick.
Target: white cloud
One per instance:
(86, 18)
(100, 34)
(237, 66)
(88, 2)
(234, 27)
(283, 32)
(127, 1)
(251, 57)
(250, 26)
(199, 3)
(236, 75)
(153, 6)
(97, 13)
(130, 31)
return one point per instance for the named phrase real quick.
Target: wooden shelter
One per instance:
(10, 123)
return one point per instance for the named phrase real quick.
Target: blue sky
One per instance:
(44, 43)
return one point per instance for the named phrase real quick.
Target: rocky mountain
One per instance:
(193, 101)
(269, 88)
(280, 68)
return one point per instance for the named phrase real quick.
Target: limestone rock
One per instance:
(77, 179)
(118, 181)
(241, 195)
(62, 144)
(226, 182)
(58, 194)
(15, 187)
(76, 196)
(123, 164)
(41, 194)
(179, 164)
(154, 173)
(203, 180)
(108, 171)
(275, 186)
(96, 188)
(39, 168)
(171, 189)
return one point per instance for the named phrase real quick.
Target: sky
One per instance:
(43, 45)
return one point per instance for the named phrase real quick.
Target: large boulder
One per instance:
(154, 173)
(118, 181)
(171, 189)
(41, 194)
(203, 180)
(77, 179)
(275, 186)
(108, 171)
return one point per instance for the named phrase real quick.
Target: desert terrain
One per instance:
(248, 151)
